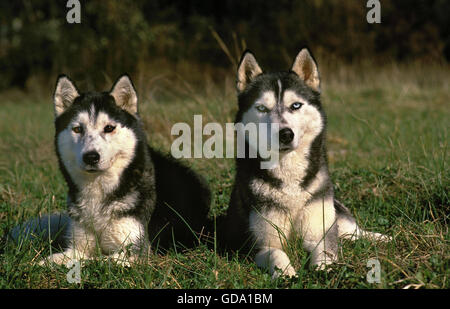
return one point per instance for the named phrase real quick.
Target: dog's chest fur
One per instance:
(288, 195)
(288, 202)
(92, 207)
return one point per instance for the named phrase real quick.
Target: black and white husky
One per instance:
(122, 194)
(295, 198)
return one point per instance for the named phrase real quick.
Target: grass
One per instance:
(388, 144)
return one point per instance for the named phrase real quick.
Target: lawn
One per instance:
(387, 143)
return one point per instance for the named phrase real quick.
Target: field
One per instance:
(388, 150)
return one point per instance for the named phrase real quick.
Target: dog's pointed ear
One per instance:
(248, 69)
(65, 93)
(125, 95)
(306, 68)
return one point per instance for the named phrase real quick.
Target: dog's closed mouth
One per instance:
(91, 170)
(285, 149)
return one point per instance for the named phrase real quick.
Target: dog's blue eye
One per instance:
(296, 105)
(77, 130)
(109, 128)
(262, 109)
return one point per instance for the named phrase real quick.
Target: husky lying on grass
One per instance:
(122, 195)
(271, 206)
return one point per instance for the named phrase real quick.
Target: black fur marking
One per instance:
(322, 193)
(102, 102)
(343, 211)
(316, 158)
(183, 203)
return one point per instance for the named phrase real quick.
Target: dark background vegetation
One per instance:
(37, 43)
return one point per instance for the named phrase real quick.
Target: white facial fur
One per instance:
(116, 149)
(254, 115)
(306, 122)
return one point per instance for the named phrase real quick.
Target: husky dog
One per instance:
(295, 198)
(122, 194)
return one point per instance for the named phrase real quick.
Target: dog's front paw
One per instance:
(57, 258)
(323, 261)
(322, 266)
(122, 262)
(123, 259)
(288, 272)
(382, 237)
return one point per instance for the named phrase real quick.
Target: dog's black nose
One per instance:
(286, 136)
(91, 157)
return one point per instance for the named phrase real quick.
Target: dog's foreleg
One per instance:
(125, 240)
(320, 232)
(81, 245)
(270, 231)
(324, 252)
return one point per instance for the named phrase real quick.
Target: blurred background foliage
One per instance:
(37, 43)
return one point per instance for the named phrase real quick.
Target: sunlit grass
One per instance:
(388, 145)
